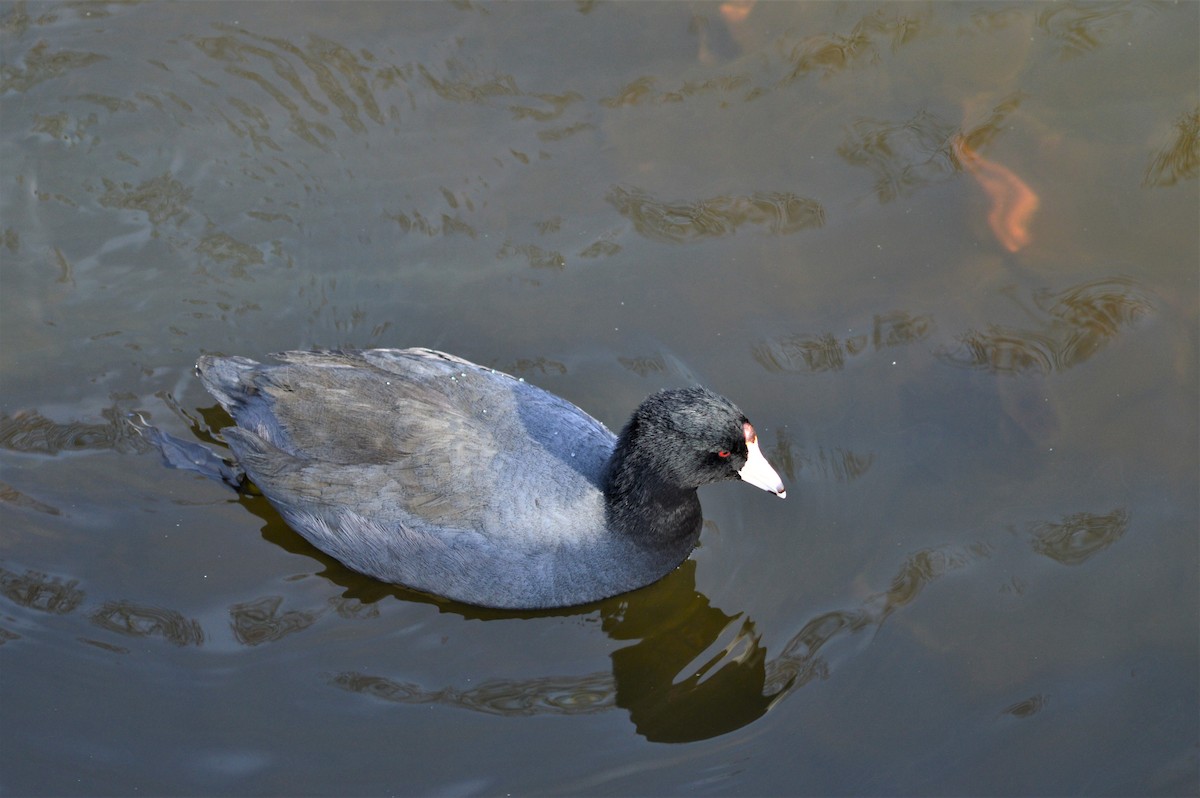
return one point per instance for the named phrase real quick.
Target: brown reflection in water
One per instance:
(353, 609)
(1179, 160)
(62, 127)
(635, 93)
(781, 213)
(66, 270)
(236, 256)
(416, 222)
(1076, 323)
(1078, 537)
(41, 65)
(903, 156)
(825, 352)
(644, 91)
(995, 120)
(38, 591)
(274, 65)
(558, 104)
(29, 432)
(600, 249)
(161, 198)
(809, 353)
(11, 496)
(534, 255)
(826, 54)
(540, 364)
(139, 620)
(471, 88)
(800, 661)
(842, 464)
(1027, 708)
(645, 365)
(780, 454)
(1084, 27)
(549, 695)
(260, 621)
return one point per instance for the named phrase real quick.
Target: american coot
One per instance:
(419, 468)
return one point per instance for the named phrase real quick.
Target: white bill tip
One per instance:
(758, 472)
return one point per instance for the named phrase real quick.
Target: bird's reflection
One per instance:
(690, 671)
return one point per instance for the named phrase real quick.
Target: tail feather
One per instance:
(229, 379)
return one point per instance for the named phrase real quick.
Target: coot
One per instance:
(422, 469)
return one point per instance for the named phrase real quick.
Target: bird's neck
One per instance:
(645, 507)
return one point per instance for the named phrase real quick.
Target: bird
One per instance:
(419, 468)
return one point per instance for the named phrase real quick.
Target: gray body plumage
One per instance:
(419, 468)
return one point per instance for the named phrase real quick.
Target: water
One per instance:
(944, 256)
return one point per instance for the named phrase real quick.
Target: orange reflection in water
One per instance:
(736, 11)
(1013, 201)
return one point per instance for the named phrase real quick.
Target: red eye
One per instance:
(722, 453)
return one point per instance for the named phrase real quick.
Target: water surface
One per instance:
(944, 256)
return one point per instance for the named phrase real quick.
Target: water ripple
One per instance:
(781, 213)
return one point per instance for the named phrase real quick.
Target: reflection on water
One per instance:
(690, 672)
(781, 213)
(161, 198)
(1079, 537)
(840, 465)
(42, 65)
(1179, 160)
(903, 156)
(694, 672)
(29, 432)
(645, 90)
(12, 496)
(1083, 27)
(1073, 325)
(878, 32)
(39, 591)
(328, 64)
(534, 255)
(260, 621)
(140, 620)
(925, 149)
(1027, 708)
(571, 695)
(826, 352)
(921, 150)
